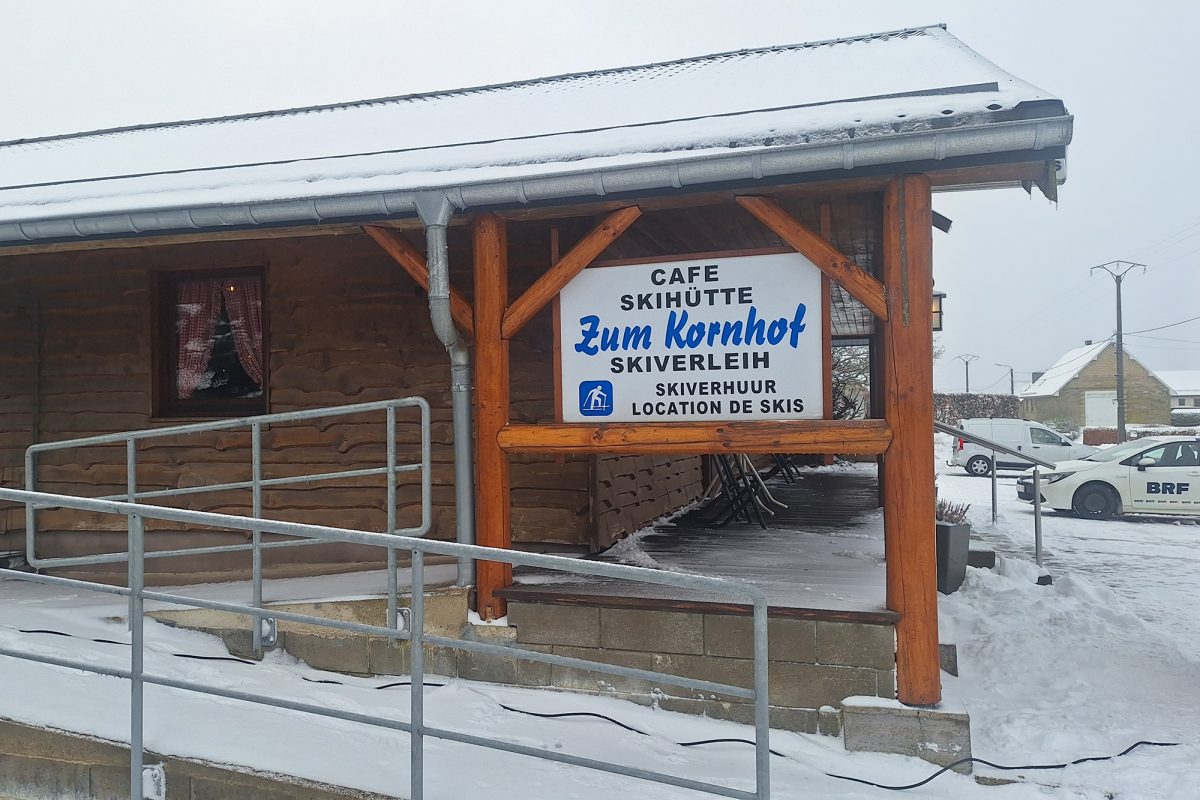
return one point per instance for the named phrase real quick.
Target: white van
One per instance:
(1021, 435)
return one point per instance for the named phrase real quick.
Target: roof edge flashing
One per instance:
(704, 170)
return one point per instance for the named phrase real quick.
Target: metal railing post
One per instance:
(131, 496)
(256, 561)
(392, 582)
(137, 580)
(417, 683)
(993, 486)
(142, 777)
(1037, 514)
(762, 709)
(30, 511)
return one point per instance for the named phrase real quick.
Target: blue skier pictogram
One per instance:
(595, 398)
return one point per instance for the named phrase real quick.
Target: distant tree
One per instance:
(851, 367)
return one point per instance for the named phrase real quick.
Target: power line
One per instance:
(1163, 327)
(1037, 310)
(993, 383)
(1165, 339)
(1171, 236)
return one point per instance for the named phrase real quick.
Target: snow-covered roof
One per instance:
(1180, 381)
(1065, 370)
(899, 97)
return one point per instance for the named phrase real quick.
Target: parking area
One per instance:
(1152, 563)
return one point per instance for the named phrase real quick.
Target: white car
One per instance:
(1155, 475)
(1021, 435)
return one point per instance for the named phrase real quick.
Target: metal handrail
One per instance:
(409, 626)
(256, 484)
(996, 447)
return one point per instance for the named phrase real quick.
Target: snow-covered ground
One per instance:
(374, 759)
(1108, 655)
(1104, 657)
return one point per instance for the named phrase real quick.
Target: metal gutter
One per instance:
(435, 211)
(670, 173)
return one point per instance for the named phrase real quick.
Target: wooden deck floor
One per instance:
(820, 558)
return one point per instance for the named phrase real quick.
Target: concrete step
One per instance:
(336, 650)
(46, 764)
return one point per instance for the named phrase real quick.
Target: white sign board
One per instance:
(714, 339)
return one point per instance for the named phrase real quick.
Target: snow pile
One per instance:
(1054, 673)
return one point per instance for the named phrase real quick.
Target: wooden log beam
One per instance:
(493, 513)
(868, 436)
(861, 285)
(827, 328)
(411, 260)
(547, 287)
(906, 354)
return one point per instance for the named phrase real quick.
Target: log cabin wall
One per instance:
(633, 491)
(344, 324)
(18, 404)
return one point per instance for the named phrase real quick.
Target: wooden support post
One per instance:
(908, 470)
(827, 328)
(493, 519)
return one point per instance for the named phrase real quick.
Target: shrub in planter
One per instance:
(1064, 425)
(953, 544)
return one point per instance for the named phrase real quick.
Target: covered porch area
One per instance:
(820, 562)
(820, 556)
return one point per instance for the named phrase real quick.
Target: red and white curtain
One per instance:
(243, 304)
(197, 310)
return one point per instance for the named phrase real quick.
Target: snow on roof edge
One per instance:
(1180, 381)
(480, 87)
(1065, 370)
(1072, 362)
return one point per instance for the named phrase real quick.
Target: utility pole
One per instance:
(1012, 384)
(967, 358)
(1118, 270)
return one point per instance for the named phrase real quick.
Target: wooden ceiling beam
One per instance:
(550, 283)
(861, 285)
(411, 260)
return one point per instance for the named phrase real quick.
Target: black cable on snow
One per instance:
(630, 728)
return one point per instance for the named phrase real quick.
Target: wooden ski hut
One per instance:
(287, 260)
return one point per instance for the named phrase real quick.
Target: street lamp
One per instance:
(967, 358)
(1012, 386)
(938, 297)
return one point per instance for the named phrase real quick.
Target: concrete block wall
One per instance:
(814, 665)
(45, 763)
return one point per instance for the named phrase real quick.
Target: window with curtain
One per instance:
(211, 351)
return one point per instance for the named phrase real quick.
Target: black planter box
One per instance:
(953, 549)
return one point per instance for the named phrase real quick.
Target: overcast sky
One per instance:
(1015, 267)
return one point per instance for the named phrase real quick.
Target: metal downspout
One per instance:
(435, 209)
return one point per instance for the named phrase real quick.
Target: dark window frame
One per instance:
(164, 355)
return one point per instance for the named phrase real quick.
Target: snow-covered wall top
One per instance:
(871, 87)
